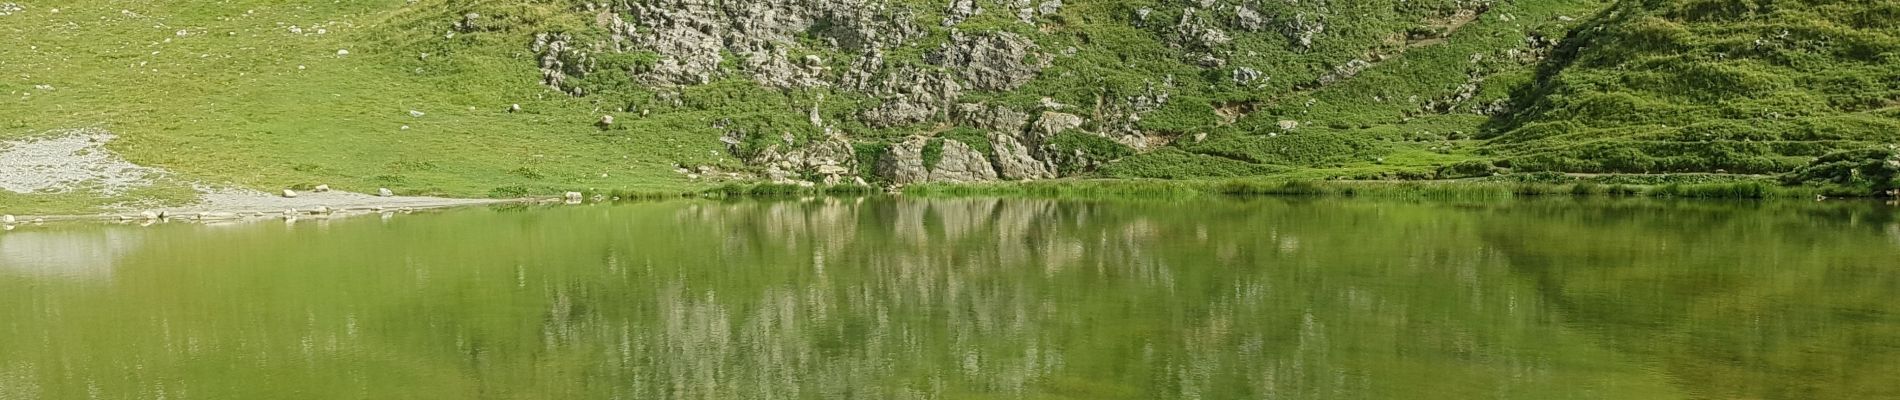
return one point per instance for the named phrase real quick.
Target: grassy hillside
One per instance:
(1747, 86)
(230, 93)
(415, 95)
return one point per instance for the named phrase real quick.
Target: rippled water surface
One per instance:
(969, 298)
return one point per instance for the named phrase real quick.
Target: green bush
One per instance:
(1468, 169)
(1077, 152)
(1172, 163)
(1869, 171)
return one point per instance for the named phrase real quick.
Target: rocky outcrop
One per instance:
(1018, 161)
(693, 38)
(903, 164)
(1302, 29)
(961, 163)
(561, 61)
(906, 163)
(794, 46)
(959, 11)
(831, 159)
(996, 119)
(1053, 123)
(991, 61)
(1204, 40)
(910, 96)
(777, 70)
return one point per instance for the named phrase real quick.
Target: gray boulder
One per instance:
(961, 163)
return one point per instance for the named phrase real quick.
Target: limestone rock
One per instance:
(910, 95)
(1247, 76)
(290, 194)
(959, 11)
(385, 192)
(1303, 29)
(992, 61)
(997, 118)
(1017, 161)
(903, 164)
(1050, 7)
(1249, 19)
(961, 163)
(1053, 123)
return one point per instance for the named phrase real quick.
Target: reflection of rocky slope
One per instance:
(826, 298)
(1276, 310)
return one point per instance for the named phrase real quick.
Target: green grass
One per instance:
(228, 104)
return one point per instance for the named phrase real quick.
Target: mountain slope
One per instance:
(1747, 86)
(419, 96)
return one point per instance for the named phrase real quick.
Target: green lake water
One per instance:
(969, 299)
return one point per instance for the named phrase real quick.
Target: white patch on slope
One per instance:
(69, 161)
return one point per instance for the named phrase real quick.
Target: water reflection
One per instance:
(962, 298)
(88, 254)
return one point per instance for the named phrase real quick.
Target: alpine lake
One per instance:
(970, 298)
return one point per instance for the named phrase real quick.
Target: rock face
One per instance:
(994, 61)
(903, 164)
(1017, 161)
(694, 37)
(832, 159)
(961, 163)
(903, 76)
(1053, 123)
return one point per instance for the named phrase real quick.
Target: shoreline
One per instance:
(209, 213)
(250, 205)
